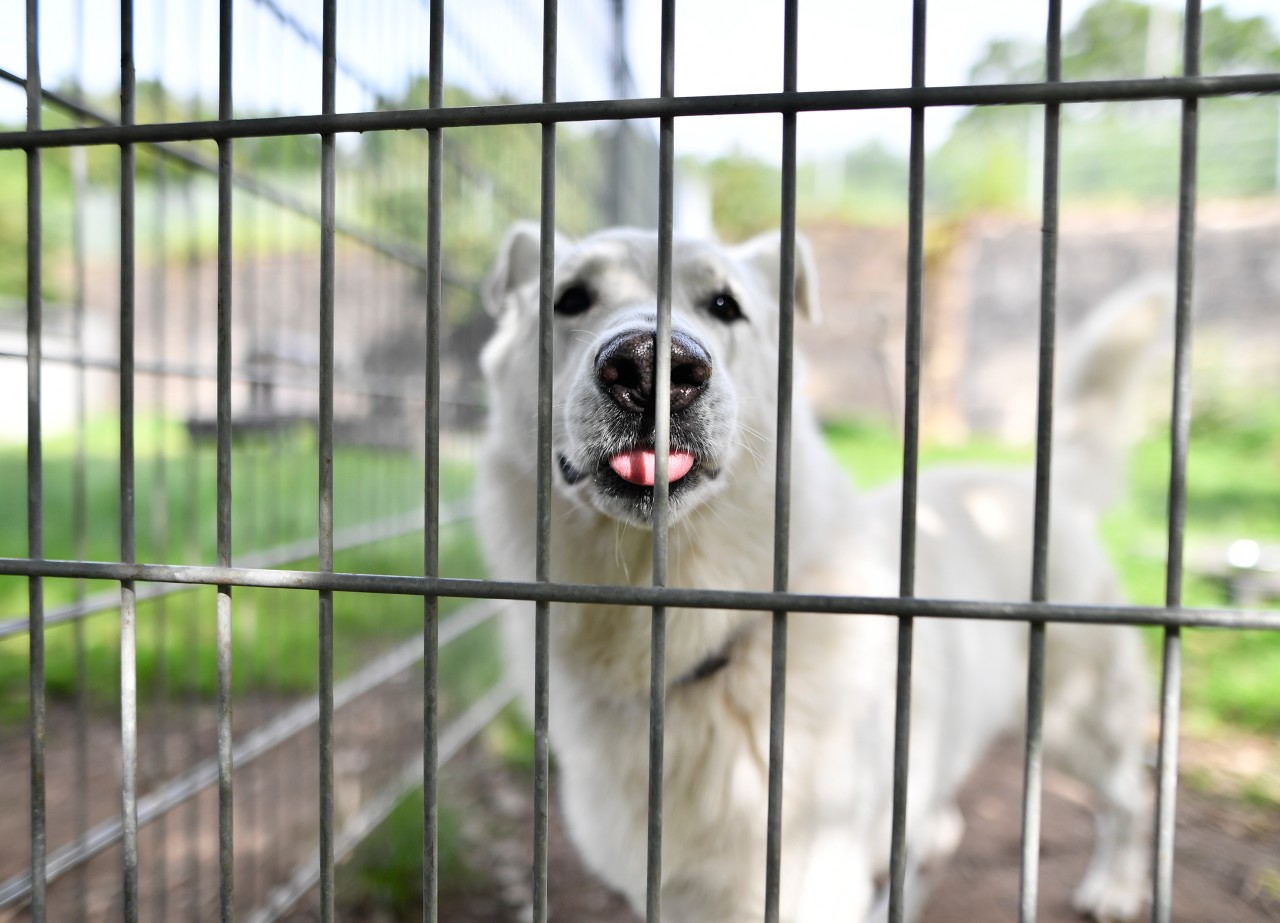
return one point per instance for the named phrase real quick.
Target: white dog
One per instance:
(974, 541)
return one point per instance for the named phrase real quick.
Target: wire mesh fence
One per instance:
(180, 435)
(251, 339)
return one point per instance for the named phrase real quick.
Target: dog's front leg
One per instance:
(833, 875)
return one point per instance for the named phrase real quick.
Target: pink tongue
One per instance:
(637, 466)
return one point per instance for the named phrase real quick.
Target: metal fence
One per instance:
(255, 404)
(161, 430)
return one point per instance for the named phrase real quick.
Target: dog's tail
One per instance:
(1102, 382)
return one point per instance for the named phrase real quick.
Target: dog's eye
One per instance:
(723, 306)
(574, 300)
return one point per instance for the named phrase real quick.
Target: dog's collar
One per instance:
(714, 662)
(704, 669)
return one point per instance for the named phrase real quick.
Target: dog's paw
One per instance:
(1110, 898)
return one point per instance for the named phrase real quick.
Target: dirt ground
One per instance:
(1227, 857)
(1227, 849)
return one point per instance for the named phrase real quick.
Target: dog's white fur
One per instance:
(974, 541)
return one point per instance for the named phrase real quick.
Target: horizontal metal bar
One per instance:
(407, 255)
(366, 533)
(253, 745)
(651, 108)
(362, 386)
(263, 190)
(647, 596)
(470, 723)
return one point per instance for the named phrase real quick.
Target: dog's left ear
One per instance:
(764, 252)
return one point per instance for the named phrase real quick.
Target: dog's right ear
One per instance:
(518, 260)
(764, 252)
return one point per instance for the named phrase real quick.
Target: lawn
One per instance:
(274, 490)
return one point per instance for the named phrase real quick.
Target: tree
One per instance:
(1115, 39)
(1118, 150)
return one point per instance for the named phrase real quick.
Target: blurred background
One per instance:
(1119, 183)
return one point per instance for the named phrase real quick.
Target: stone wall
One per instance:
(982, 282)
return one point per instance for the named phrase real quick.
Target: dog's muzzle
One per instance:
(626, 372)
(624, 376)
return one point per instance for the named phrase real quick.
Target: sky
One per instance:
(722, 46)
(733, 46)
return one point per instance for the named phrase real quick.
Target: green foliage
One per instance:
(13, 224)
(1118, 38)
(745, 195)
(1125, 152)
(55, 180)
(1237, 45)
(867, 185)
(1108, 41)
(491, 178)
(1007, 60)
(987, 172)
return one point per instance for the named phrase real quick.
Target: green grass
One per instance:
(1231, 679)
(385, 871)
(274, 488)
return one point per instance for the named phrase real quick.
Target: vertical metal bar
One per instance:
(431, 493)
(79, 489)
(35, 473)
(159, 505)
(782, 480)
(226, 852)
(910, 470)
(661, 489)
(277, 769)
(328, 152)
(128, 596)
(616, 174)
(250, 297)
(191, 639)
(1033, 761)
(1180, 426)
(542, 564)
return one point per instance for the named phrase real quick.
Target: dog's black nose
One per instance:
(625, 367)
